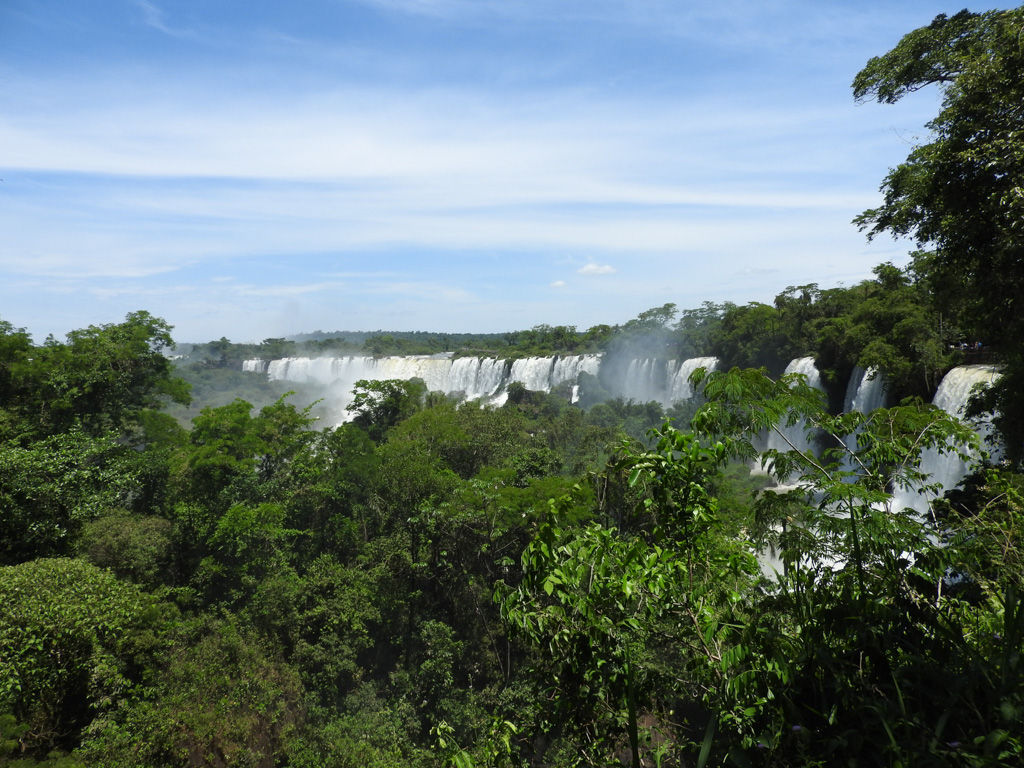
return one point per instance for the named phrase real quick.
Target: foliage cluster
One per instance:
(436, 582)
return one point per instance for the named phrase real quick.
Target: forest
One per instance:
(194, 578)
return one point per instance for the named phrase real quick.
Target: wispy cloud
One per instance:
(377, 159)
(286, 289)
(596, 269)
(156, 17)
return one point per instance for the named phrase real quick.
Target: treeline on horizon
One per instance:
(437, 583)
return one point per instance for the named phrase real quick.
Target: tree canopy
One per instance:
(960, 194)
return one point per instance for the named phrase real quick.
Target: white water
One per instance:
(864, 393)
(948, 469)
(487, 378)
(795, 436)
(649, 379)
(679, 387)
(643, 382)
(645, 379)
(472, 377)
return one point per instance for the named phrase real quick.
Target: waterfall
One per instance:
(679, 387)
(796, 434)
(475, 377)
(866, 391)
(534, 373)
(639, 384)
(472, 377)
(569, 368)
(948, 469)
(647, 379)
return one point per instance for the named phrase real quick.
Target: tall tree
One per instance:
(960, 196)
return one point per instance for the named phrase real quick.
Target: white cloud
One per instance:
(287, 290)
(289, 159)
(596, 269)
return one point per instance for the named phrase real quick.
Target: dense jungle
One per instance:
(196, 571)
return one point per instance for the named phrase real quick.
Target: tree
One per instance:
(69, 642)
(379, 405)
(695, 327)
(53, 487)
(104, 378)
(960, 196)
(590, 597)
(751, 335)
(896, 330)
(610, 604)
(15, 351)
(218, 698)
(862, 628)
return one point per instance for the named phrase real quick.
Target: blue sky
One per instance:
(254, 169)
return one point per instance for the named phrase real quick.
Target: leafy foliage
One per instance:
(102, 379)
(536, 584)
(959, 195)
(70, 635)
(379, 405)
(51, 488)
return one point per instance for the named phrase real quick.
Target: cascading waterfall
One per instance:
(666, 382)
(948, 469)
(477, 377)
(640, 384)
(679, 387)
(569, 368)
(534, 373)
(487, 378)
(472, 377)
(795, 436)
(644, 380)
(866, 391)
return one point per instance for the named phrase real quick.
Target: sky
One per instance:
(256, 169)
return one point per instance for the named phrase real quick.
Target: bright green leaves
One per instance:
(229, 446)
(377, 406)
(51, 488)
(588, 598)
(494, 750)
(678, 474)
(247, 489)
(67, 632)
(858, 618)
(936, 54)
(598, 600)
(839, 494)
(103, 378)
(68, 414)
